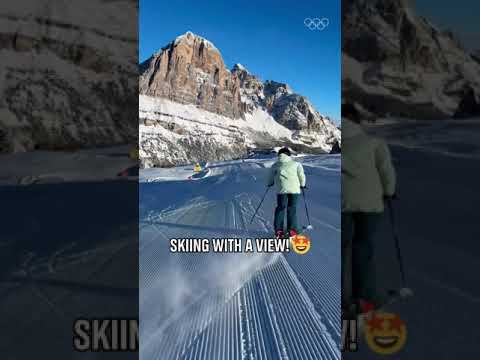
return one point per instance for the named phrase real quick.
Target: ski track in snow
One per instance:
(237, 306)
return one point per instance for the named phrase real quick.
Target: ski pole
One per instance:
(306, 207)
(261, 202)
(404, 291)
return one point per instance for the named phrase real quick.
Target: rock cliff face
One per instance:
(397, 63)
(293, 111)
(190, 71)
(68, 75)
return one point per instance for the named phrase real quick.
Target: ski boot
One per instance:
(366, 311)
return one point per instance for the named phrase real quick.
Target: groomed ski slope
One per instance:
(437, 222)
(237, 306)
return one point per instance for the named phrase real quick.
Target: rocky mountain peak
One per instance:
(277, 89)
(395, 62)
(239, 68)
(68, 79)
(234, 112)
(191, 39)
(190, 70)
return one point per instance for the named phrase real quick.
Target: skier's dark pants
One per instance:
(286, 203)
(358, 270)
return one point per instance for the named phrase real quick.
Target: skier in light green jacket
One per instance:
(289, 178)
(368, 177)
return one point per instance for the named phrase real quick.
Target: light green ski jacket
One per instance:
(367, 170)
(287, 175)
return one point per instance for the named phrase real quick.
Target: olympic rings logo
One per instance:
(316, 23)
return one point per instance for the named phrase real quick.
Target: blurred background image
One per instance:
(411, 70)
(68, 174)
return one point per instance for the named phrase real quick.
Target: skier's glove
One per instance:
(390, 197)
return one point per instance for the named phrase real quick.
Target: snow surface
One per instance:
(458, 138)
(67, 251)
(237, 306)
(42, 167)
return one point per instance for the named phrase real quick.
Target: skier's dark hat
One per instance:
(285, 151)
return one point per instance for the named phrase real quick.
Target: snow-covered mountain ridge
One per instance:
(396, 63)
(192, 108)
(68, 74)
(172, 133)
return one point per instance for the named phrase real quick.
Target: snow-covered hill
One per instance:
(193, 108)
(237, 306)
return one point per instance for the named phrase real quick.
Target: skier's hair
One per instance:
(350, 112)
(284, 150)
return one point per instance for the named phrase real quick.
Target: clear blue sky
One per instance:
(268, 37)
(462, 17)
